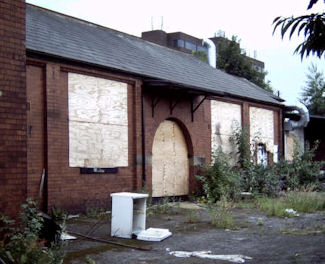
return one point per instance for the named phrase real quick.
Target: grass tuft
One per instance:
(221, 215)
(302, 202)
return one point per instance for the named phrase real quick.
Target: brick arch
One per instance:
(186, 134)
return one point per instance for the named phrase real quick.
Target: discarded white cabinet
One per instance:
(128, 214)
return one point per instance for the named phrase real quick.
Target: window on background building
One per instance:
(178, 43)
(190, 46)
(202, 49)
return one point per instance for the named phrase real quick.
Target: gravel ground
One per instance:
(265, 239)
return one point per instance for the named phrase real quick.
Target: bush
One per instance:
(223, 180)
(220, 179)
(21, 243)
(255, 178)
(302, 171)
(261, 179)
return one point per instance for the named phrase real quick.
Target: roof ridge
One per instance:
(111, 29)
(60, 35)
(81, 20)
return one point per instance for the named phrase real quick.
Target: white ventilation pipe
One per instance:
(212, 56)
(304, 117)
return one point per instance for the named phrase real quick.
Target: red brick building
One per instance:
(90, 111)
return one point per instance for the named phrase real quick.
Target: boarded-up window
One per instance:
(225, 119)
(98, 123)
(262, 128)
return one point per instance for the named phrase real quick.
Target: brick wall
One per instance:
(36, 137)
(197, 133)
(156, 36)
(13, 164)
(71, 190)
(66, 187)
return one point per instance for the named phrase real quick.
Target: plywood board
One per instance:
(170, 165)
(290, 140)
(97, 100)
(262, 127)
(225, 119)
(98, 123)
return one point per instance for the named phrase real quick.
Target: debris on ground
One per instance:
(66, 236)
(73, 216)
(246, 195)
(208, 255)
(154, 234)
(291, 212)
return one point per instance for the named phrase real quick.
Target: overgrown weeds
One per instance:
(302, 202)
(192, 216)
(20, 243)
(221, 215)
(222, 179)
(162, 206)
(302, 171)
(96, 213)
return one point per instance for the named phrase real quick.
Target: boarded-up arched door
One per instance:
(170, 166)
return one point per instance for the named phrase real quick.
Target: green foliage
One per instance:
(21, 244)
(58, 214)
(302, 171)
(302, 202)
(240, 138)
(255, 178)
(313, 28)
(261, 179)
(231, 60)
(272, 207)
(306, 201)
(89, 260)
(201, 55)
(96, 212)
(312, 95)
(221, 216)
(162, 206)
(220, 179)
(192, 217)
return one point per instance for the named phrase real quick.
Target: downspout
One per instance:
(143, 140)
(212, 55)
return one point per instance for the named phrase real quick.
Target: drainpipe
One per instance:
(212, 56)
(143, 140)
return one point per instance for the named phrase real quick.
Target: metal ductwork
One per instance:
(302, 113)
(212, 56)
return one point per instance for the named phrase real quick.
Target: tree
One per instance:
(313, 28)
(231, 59)
(314, 91)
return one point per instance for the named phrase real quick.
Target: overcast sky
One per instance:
(250, 20)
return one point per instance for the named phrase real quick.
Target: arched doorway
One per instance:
(170, 164)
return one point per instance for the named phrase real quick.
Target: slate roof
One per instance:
(51, 33)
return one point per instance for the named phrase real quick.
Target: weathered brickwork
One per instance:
(67, 187)
(197, 132)
(36, 136)
(13, 163)
(34, 126)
